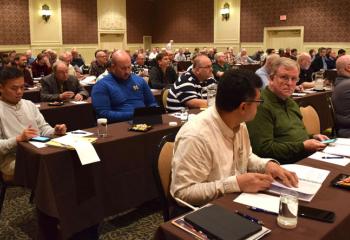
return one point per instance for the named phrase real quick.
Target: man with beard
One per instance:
(21, 63)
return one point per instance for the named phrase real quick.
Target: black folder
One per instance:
(148, 115)
(218, 223)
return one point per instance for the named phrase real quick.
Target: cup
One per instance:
(184, 114)
(102, 127)
(319, 84)
(288, 210)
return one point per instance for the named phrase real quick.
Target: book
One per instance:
(218, 223)
(310, 181)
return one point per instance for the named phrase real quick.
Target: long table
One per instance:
(328, 198)
(320, 102)
(75, 116)
(81, 196)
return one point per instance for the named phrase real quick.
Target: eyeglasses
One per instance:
(259, 101)
(286, 78)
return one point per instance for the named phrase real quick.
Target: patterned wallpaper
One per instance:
(323, 20)
(79, 22)
(139, 15)
(14, 30)
(181, 20)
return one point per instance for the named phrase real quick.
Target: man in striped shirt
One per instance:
(187, 90)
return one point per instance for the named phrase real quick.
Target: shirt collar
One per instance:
(273, 97)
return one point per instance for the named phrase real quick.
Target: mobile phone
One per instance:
(316, 214)
(327, 141)
(40, 139)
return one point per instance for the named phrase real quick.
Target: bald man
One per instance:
(60, 86)
(265, 71)
(341, 97)
(117, 95)
(305, 80)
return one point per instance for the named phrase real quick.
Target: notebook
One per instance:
(218, 223)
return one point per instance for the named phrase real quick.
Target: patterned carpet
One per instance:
(18, 220)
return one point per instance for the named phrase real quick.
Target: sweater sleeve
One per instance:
(45, 94)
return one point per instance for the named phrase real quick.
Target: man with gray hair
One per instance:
(265, 71)
(341, 97)
(305, 80)
(66, 57)
(60, 86)
(278, 130)
(220, 66)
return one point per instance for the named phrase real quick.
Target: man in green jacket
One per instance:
(278, 130)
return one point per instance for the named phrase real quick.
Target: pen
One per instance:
(338, 157)
(250, 218)
(78, 132)
(260, 210)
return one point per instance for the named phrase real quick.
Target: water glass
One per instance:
(102, 127)
(288, 210)
(184, 114)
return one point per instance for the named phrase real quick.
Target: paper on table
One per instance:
(338, 149)
(78, 102)
(342, 141)
(339, 161)
(38, 144)
(88, 80)
(80, 133)
(86, 152)
(306, 173)
(298, 94)
(259, 200)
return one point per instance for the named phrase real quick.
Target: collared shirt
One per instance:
(208, 155)
(264, 75)
(13, 120)
(185, 88)
(116, 99)
(277, 130)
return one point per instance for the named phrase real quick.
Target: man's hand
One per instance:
(313, 145)
(66, 95)
(27, 134)
(78, 97)
(254, 182)
(299, 88)
(60, 129)
(320, 137)
(290, 179)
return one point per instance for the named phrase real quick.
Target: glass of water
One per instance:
(184, 114)
(288, 210)
(102, 127)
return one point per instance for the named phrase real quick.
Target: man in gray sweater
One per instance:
(20, 120)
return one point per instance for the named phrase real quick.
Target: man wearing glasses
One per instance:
(212, 154)
(278, 130)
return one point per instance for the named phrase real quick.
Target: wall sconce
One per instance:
(225, 12)
(45, 12)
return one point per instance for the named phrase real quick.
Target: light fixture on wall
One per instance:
(45, 12)
(225, 12)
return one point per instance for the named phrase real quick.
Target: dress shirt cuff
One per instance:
(231, 185)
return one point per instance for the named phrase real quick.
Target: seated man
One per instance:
(187, 90)
(340, 97)
(139, 68)
(20, 120)
(220, 66)
(41, 66)
(66, 58)
(305, 76)
(60, 86)
(163, 74)
(77, 60)
(117, 95)
(278, 130)
(98, 66)
(264, 71)
(21, 63)
(243, 58)
(212, 154)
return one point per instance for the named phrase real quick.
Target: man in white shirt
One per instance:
(212, 154)
(169, 46)
(20, 120)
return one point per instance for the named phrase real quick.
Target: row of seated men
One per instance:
(203, 169)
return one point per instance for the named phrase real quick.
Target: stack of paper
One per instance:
(340, 147)
(310, 181)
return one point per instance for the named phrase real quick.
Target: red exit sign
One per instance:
(283, 17)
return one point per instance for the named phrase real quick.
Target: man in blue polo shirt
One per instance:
(117, 95)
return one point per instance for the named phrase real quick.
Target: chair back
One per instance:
(311, 120)
(162, 172)
(164, 94)
(332, 110)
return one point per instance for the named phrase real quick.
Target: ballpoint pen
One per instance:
(260, 210)
(250, 218)
(335, 157)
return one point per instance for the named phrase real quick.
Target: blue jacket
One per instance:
(116, 99)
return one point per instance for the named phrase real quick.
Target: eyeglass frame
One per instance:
(259, 101)
(285, 79)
